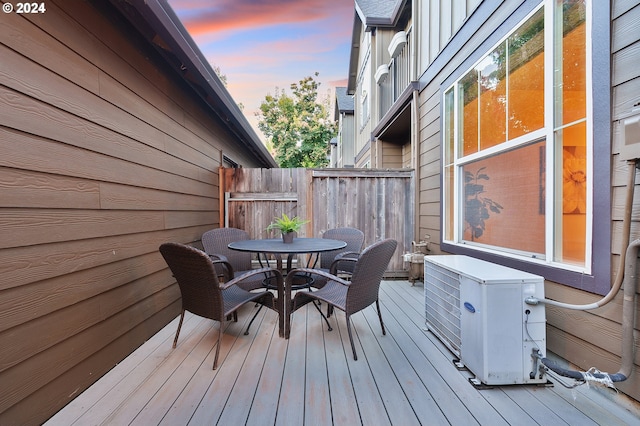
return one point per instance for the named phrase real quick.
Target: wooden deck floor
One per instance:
(404, 378)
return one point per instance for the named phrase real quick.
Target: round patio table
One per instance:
(298, 246)
(278, 247)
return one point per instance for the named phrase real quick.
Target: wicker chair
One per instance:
(350, 296)
(201, 292)
(334, 260)
(215, 244)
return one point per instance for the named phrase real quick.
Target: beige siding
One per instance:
(625, 76)
(391, 156)
(103, 157)
(587, 339)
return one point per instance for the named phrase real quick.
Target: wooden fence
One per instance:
(378, 202)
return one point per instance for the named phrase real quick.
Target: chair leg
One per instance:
(323, 316)
(175, 341)
(353, 346)
(329, 310)
(215, 360)
(384, 333)
(253, 318)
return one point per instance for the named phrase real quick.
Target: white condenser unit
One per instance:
(478, 310)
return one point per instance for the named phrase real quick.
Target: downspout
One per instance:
(626, 275)
(415, 150)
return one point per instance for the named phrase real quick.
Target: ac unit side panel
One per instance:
(442, 305)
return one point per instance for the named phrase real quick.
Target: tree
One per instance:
(297, 126)
(223, 79)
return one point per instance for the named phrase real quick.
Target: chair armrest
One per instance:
(325, 274)
(216, 256)
(347, 256)
(221, 260)
(266, 271)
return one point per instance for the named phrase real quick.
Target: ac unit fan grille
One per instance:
(442, 294)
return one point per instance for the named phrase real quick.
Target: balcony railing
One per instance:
(397, 80)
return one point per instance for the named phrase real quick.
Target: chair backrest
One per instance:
(352, 236)
(196, 277)
(368, 273)
(216, 241)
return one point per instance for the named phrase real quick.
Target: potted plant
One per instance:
(288, 226)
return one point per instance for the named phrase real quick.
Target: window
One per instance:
(364, 107)
(517, 148)
(364, 85)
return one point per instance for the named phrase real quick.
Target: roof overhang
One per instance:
(354, 55)
(395, 126)
(372, 19)
(162, 28)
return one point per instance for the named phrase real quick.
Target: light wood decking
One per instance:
(404, 378)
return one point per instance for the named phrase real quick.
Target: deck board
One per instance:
(403, 378)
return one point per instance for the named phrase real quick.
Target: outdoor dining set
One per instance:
(217, 281)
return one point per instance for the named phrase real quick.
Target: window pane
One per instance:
(573, 65)
(468, 114)
(449, 140)
(526, 77)
(572, 194)
(504, 200)
(493, 98)
(448, 127)
(449, 207)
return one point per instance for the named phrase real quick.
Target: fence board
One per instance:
(378, 202)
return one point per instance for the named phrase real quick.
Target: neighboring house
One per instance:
(381, 79)
(342, 147)
(113, 129)
(512, 114)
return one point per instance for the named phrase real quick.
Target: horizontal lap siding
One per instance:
(585, 338)
(598, 335)
(103, 157)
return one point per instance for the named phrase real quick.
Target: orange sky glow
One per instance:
(261, 45)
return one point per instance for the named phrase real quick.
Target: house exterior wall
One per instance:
(346, 136)
(371, 150)
(362, 106)
(584, 338)
(105, 153)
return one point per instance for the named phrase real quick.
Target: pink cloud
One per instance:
(229, 15)
(255, 65)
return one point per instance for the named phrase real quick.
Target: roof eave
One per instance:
(195, 70)
(354, 55)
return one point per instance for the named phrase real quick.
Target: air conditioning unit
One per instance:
(477, 309)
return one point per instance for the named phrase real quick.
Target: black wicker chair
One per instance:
(334, 259)
(203, 295)
(215, 243)
(349, 296)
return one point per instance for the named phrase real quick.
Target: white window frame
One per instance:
(547, 134)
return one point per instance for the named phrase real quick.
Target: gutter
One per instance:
(172, 38)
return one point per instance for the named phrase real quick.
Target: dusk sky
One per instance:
(263, 44)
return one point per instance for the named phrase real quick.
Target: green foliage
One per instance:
(286, 224)
(476, 208)
(297, 127)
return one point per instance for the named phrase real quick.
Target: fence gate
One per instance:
(378, 202)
